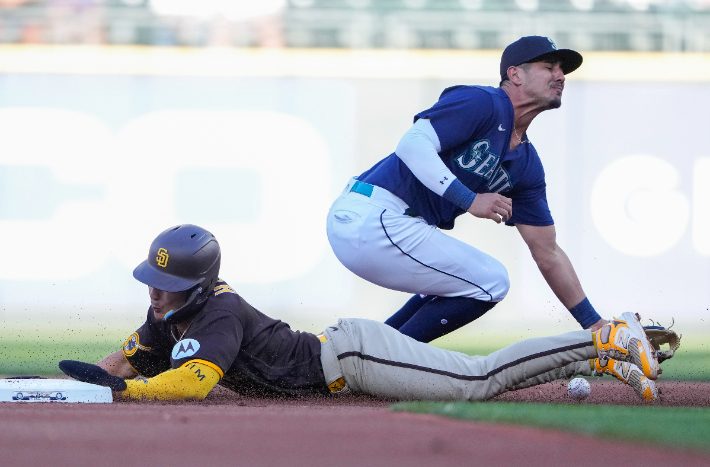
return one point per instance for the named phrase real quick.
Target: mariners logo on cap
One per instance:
(162, 258)
(185, 348)
(552, 43)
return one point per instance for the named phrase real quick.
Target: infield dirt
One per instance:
(228, 429)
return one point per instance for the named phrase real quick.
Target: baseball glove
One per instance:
(93, 374)
(659, 335)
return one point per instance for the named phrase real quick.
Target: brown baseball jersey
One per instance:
(256, 354)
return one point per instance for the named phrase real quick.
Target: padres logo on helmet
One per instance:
(183, 258)
(162, 258)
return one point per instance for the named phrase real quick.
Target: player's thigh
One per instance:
(442, 265)
(383, 362)
(347, 221)
(386, 363)
(359, 242)
(406, 254)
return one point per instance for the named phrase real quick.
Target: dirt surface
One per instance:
(608, 391)
(227, 429)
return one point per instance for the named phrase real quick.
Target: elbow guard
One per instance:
(193, 380)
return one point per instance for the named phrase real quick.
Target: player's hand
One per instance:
(93, 374)
(492, 206)
(598, 325)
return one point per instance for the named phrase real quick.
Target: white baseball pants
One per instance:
(373, 358)
(371, 236)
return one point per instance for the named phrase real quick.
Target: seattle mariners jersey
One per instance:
(255, 353)
(474, 125)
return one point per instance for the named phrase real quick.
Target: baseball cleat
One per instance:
(626, 340)
(630, 374)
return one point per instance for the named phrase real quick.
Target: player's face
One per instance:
(544, 83)
(163, 302)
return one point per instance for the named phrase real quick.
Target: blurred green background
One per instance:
(37, 350)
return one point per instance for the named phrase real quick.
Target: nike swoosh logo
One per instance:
(500, 127)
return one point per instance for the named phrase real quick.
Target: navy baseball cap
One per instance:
(527, 49)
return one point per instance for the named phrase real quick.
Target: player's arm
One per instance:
(556, 268)
(419, 149)
(193, 380)
(117, 365)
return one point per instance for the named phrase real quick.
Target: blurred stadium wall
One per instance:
(119, 119)
(638, 25)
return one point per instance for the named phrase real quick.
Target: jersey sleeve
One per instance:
(143, 352)
(531, 212)
(529, 195)
(213, 339)
(193, 380)
(460, 113)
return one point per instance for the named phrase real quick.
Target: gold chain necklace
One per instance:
(516, 135)
(173, 328)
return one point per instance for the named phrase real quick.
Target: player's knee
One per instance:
(501, 284)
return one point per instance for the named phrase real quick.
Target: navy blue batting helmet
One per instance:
(182, 258)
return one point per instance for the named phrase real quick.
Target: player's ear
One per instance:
(514, 75)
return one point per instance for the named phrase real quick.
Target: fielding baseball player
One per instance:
(469, 153)
(199, 332)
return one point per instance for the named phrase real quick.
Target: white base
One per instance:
(52, 390)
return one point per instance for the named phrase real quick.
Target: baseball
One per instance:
(578, 389)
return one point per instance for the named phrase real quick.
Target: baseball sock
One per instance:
(443, 315)
(405, 313)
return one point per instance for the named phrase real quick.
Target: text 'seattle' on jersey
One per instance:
(474, 125)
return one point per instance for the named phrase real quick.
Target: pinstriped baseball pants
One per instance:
(375, 359)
